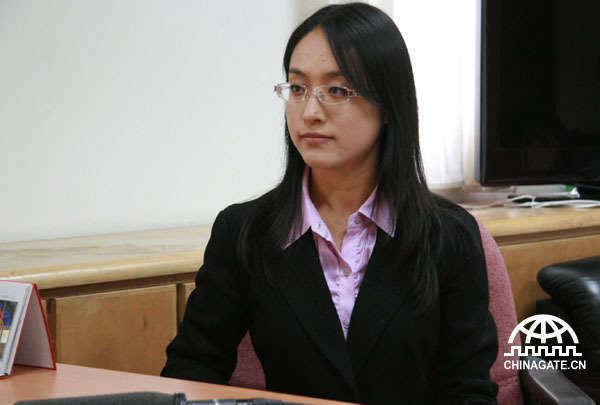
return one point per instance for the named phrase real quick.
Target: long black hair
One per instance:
(373, 57)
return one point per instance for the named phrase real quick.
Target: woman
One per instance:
(355, 282)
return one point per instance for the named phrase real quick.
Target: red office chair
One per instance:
(248, 372)
(502, 308)
(526, 386)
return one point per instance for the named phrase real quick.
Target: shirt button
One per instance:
(346, 324)
(346, 272)
(357, 220)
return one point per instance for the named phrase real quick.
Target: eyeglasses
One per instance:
(326, 94)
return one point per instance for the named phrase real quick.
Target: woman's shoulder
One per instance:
(461, 250)
(238, 213)
(460, 235)
(454, 217)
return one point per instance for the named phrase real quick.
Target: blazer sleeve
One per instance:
(468, 339)
(205, 348)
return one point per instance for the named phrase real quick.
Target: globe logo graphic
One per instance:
(543, 327)
(546, 323)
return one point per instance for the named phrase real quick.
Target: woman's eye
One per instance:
(296, 89)
(338, 91)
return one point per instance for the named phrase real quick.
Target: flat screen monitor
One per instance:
(540, 92)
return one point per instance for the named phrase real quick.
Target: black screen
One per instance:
(540, 92)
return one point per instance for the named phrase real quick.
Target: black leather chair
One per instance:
(575, 290)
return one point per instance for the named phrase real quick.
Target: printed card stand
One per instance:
(24, 334)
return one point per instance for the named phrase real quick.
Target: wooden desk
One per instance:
(28, 383)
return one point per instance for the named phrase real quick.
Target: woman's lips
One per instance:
(315, 137)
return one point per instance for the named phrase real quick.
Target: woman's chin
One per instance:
(319, 163)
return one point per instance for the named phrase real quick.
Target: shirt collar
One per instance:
(312, 220)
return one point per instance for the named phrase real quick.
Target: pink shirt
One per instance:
(344, 270)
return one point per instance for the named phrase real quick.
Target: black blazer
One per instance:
(390, 356)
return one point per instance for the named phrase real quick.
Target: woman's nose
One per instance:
(313, 108)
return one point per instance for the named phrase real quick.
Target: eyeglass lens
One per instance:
(326, 94)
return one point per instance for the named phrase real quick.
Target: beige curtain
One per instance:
(443, 40)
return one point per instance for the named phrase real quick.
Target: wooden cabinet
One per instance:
(121, 330)
(525, 260)
(114, 301)
(183, 293)
(531, 239)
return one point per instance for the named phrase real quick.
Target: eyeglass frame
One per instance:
(308, 90)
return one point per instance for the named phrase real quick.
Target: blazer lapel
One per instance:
(302, 283)
(380, 295)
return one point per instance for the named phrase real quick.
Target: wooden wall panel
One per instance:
(124, 330)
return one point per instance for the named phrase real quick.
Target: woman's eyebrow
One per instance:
(298, 72)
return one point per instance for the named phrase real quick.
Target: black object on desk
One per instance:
(150, 398)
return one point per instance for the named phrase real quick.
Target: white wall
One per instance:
(124, 115)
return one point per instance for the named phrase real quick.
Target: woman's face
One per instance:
(329, 136)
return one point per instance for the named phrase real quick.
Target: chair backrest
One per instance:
(502, 308)
(249, 373)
